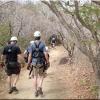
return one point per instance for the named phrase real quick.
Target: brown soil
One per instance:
(62, 82)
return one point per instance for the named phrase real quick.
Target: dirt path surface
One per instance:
(62, 82)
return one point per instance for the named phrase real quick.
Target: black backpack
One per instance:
(11, 64)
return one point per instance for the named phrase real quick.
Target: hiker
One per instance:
(31, 72)
(10, 54)
(46, 66)
(38, 55)
(53, 40)
(26, 54)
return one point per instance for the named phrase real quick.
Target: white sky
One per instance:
(19, 0)
(36, 0)
(22, 1)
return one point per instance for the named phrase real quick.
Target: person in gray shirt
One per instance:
(38, 56)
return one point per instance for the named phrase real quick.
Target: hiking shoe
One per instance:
(15, 89)
(36, 93)
(10, 91)
(40, 91)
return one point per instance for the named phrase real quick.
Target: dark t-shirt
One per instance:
(53, 38)
(11, 52)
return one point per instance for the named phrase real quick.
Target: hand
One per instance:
(2, 64)
(48, 64)
(47, 61)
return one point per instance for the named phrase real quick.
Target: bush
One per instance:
(4, 35)
(23, 42)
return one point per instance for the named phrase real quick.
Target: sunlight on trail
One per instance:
(60, 83)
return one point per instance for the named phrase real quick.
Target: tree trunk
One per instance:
(96, 66)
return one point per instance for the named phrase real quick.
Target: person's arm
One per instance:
(29, 61)
(25, 52)
(19, 54)
(29, 58)
(46, 57)
(20, 58)
(46, 54)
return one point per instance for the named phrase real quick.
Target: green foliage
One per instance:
(23, 42)
(4, 28)
(4, 34)
(4, 38)
(94, 89)
(88, 41)
(90, 14)
(98, 25)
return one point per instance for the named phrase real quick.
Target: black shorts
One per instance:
(15, 70)
(53, 42)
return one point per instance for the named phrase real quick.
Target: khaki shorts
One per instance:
(38, 71)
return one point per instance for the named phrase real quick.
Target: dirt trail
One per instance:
(59, 84)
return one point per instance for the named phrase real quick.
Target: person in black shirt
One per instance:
(10, 53)
(53, 39)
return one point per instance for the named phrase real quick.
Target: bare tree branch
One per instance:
(6, 3)
(96, 2)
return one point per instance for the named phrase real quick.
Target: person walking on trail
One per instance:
(53, 40)
(46, 66)
(26, 54)
(10, 54)
(38, 55)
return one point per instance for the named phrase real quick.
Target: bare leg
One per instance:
(33, 74)
(41, 81)
(40, 85)
(15, 80)
(36, 85)
(35, 82)
(9, 82)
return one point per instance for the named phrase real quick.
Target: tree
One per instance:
(84, 28)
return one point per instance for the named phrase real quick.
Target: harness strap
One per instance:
(37, 46)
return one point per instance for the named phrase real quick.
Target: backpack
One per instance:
(11, 64)
(38, 54)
